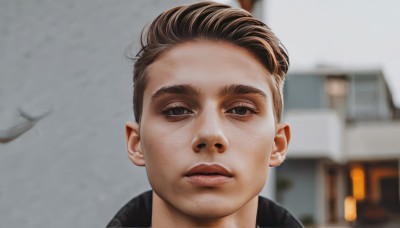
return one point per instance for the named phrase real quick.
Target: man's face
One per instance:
(207, 129)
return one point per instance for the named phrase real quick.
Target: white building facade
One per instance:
(345, 143)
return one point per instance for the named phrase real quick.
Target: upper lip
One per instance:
(209, 169)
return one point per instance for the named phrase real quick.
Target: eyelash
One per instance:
(247, 108)
(176, 111)
(181, 112)
(168, 111)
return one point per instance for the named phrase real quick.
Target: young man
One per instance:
(208, 102)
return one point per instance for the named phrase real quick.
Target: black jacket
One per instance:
(137, 213)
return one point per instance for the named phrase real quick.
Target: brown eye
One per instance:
(177, 111)
(240, 110)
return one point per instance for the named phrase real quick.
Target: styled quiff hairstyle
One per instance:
(211, 21)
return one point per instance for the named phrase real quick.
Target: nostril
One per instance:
(218, 145)
(201, 145)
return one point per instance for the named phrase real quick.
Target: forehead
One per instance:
(206, 63)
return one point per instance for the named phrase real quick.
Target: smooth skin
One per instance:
(207, 102)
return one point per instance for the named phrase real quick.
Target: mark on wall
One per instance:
(20, 124)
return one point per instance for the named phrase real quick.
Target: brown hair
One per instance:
(211, 21)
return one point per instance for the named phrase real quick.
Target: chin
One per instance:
(206, 212)
(212, 207)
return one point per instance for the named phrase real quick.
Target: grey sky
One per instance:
(356, 34)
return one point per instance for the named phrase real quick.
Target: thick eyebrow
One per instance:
(183, 89)
(241, 89)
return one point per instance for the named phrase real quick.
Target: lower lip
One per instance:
(208, 180)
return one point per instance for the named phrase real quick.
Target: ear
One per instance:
(133, 144)
(281, 143)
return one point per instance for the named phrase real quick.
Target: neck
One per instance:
(166, 215)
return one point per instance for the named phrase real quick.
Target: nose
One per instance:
(209, 135)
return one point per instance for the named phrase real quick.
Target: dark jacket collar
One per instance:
(137, 213)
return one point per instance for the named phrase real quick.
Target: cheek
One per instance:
(258, 153)
(254, 138)
(257, 166)
(254, 148)
(161, 147)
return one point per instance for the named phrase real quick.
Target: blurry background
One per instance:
(66, 93)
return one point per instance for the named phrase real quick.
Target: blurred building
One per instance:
(345, 146)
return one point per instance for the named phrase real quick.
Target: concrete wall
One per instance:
(71, 169)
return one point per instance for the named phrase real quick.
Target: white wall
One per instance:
(373, 140)
(315, 134)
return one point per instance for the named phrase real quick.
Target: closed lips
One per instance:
(209, 170)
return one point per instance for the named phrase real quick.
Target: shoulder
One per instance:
(271, 214)
(136, 213)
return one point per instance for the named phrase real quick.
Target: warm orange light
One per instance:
(358, 178)
(350, 209)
